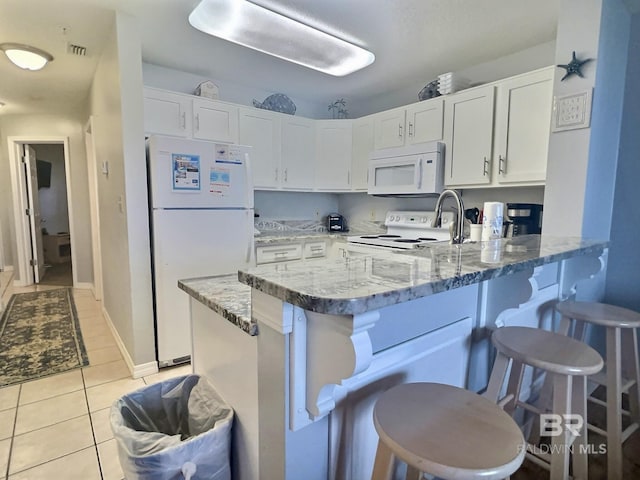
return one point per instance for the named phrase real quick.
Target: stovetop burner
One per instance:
(428, 239)
(388, 236)
(407, 240)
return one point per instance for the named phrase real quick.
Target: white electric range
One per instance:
(407, 230)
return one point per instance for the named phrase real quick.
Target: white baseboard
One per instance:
(137, 371)
(7, 268)
(84, 285)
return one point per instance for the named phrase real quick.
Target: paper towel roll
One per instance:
(492, 221)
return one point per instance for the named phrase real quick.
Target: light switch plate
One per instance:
(572, 111)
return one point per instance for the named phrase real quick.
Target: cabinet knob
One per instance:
(285, 174)
(276, 174)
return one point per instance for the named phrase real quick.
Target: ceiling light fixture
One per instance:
(253, 26)
(26, 56)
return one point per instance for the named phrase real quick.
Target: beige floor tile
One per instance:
(101, 341)
(50, 411)
(5, 448)
(101, 425)
(7, 421)
(167, 373)
(104, 355)
(111, 469)
(94, 331)
(82, 465)
(107, 372)
(9, 397)
(51, 386)
(40, 446)
(102, 396)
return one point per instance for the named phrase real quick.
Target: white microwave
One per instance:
(410, 170)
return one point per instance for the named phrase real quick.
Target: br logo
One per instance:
(552, 424)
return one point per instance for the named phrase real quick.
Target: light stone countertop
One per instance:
(226, 296)
(357, 284)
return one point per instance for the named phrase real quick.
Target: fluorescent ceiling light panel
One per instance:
(253, 26)
(25, 56)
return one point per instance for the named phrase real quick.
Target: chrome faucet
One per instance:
(458, 235)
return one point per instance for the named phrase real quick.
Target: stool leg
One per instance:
(559, 444)
(631, 370)
(383, 465)
(496, 380)
(413, 473)
(579, 407)
(514, 386)
(614, 405)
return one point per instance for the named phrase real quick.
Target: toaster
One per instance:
(336, 223)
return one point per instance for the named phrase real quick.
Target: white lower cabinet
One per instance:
(288, 252)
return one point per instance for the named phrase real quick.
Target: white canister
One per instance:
(492, 221)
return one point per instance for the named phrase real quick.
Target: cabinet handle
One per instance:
(502, 165)
(285, 174)
(410, 129)
(197, 121)
(276, 174)
(348, 178)
(184, 120)
(399, 131)
(485, 170)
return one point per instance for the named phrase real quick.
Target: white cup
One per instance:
(475, 232)
(492, 221)
(490, 251)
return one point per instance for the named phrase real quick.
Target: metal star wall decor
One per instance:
(574, 66)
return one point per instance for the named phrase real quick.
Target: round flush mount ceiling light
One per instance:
(26, 56)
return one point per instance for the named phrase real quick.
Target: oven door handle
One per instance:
(419, 174)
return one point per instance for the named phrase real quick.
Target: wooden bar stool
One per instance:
(445, 431)
(622, 369)
(568, 362)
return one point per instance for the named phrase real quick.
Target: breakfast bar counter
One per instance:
(333, 334)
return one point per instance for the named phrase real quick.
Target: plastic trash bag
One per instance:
(173, 430)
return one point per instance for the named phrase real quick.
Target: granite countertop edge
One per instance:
(233, 311)
(361, 304)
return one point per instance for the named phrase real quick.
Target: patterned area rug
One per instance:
(40, 336)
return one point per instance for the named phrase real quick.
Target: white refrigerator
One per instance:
(201, 215)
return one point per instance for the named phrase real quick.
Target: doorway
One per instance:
(42, 211)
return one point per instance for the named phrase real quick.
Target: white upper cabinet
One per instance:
(362, 146)
(216, 121)
(298, 152)
(417, 123)
(333, 154)
(262, 130)
(523, 116)
(167, 113)
(468, 137)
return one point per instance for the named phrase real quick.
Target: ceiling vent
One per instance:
(76, 50)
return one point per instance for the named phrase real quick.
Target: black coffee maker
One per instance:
(525, 219)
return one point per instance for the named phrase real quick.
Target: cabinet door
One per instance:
(424, 121)
(298, 153)
(468, 135)
(333, 155)
(523, 116)
(215, 121)
(363, 145)
(261, 130)
(167, 113)
(389, 128)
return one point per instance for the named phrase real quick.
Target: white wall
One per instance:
(116, 104)
(526, 60)
(54, 209)
(294, 205)
(234, 92)
(578, 29)
(67, 125)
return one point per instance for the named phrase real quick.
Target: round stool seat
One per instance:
(600, 314)
(547, 350)
(448, 431)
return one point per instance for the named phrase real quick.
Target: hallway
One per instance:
(61, 423)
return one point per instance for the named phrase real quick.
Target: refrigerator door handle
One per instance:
(249, 189)
(249, 237)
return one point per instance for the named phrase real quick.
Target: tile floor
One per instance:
(61, 423)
